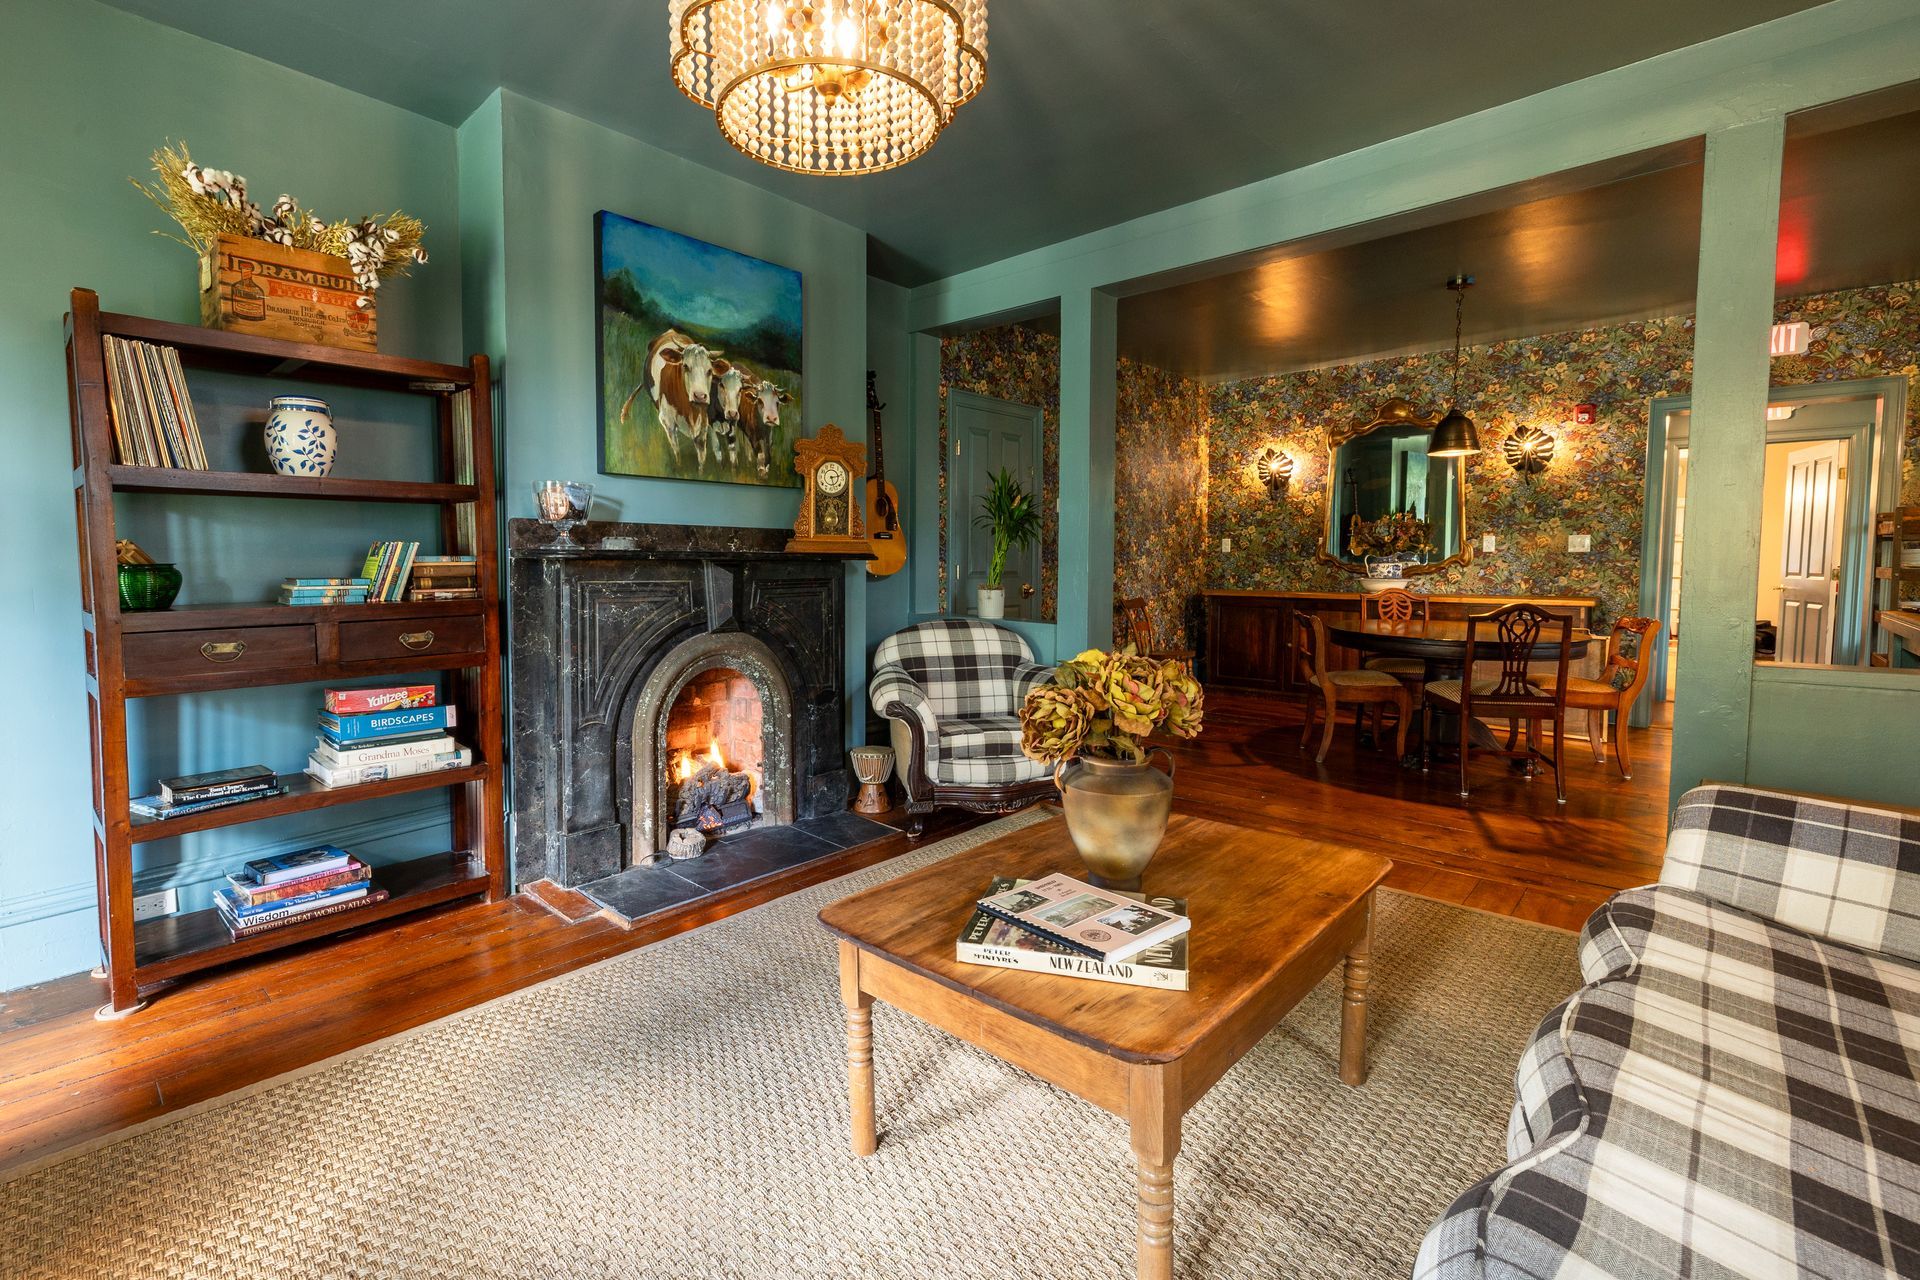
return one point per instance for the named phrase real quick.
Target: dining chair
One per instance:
(1396, 604)
(1629, 651)
(1360, 689)
(1136, 629)
(1515, 696)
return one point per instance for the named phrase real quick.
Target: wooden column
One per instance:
(1088, 355)
(1719, 582)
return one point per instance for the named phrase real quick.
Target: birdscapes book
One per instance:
(1091, 922)
(990, 941)
(385, 724)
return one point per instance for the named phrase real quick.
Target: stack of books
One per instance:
(444, 578)
(290, 888)
(1041, 926)
(324, 590)
(375, 735)
(153, 420)
(198, 792)
(387, 569)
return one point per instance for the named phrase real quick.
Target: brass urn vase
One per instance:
(1117, 814)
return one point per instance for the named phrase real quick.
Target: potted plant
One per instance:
(1097, 714)
(1010, 512)
(1387, 545)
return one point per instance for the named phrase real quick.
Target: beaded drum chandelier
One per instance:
(830, 86)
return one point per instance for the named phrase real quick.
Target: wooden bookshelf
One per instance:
(197, 649)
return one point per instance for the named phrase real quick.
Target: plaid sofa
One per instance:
(952, 689)
(1734, 1092)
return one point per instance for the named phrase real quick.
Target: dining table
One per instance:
(1440, 644)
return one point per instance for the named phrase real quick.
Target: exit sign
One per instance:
(1790, 339)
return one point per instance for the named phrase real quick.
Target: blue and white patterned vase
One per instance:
(300, 436)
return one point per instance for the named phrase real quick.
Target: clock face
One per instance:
(831, 477)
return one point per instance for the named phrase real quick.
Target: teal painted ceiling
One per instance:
(1095, 111)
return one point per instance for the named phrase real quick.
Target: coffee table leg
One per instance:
(859, 1049)
(1153, 1113)
(1353, 1009)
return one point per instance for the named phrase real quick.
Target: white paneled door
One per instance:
(1810, 551)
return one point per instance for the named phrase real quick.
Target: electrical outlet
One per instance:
(1580, 542)
(1226, 544)
(1489, 543)
(149, 905)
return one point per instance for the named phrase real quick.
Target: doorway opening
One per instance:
(1825, 468)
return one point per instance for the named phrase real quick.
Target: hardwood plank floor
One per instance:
(1509, 849)
(67, 1079)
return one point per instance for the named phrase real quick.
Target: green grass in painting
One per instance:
(638, 446)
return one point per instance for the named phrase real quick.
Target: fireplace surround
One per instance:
(611, 623)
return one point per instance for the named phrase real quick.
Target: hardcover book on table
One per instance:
(991, 941)
(1092, 922)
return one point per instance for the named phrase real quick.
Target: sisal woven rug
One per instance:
(680, 1111)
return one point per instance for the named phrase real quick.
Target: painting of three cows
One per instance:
(699, 358)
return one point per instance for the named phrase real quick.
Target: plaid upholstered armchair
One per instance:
(952, 691)
(1736, 1090)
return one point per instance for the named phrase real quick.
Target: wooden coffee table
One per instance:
(1271, 915)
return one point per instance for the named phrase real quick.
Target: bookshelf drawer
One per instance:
(217, 652)
(401, 637)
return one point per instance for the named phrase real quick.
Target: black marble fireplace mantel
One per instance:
(615, 540)
(595, 611)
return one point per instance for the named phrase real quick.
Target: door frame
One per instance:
(1883, 478)
(957, 606)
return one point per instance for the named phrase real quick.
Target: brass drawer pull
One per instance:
(225, 651)
(416, 639)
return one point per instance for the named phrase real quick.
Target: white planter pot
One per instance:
(991, 601)
(300, 437)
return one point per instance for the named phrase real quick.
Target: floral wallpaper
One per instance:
(1160, 495)
(1593, 485)
(1008, 362)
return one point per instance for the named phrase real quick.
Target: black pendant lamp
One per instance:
(1455, 436)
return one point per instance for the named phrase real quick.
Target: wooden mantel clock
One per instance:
(832, 512)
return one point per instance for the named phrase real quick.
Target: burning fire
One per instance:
(684, 767)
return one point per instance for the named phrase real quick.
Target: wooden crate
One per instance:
(254, 287)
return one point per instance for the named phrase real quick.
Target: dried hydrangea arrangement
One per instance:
(210, 203)
(1106, 705)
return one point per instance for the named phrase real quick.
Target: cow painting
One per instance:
(760, 422)
(699, 358)
(679, 381)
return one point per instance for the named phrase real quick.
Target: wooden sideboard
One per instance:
(1249, 640)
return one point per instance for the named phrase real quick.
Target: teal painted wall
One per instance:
(88, 92)
(557, 171)
(889, 600)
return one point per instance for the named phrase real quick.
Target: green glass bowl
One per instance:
(148, 588)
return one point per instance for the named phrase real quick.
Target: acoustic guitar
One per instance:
(885, 532)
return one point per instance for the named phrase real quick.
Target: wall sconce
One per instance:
(1276, 471)
(1528, 451)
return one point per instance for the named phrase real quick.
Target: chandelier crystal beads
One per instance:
(830, 86)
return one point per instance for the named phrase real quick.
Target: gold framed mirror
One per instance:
(1379, 467)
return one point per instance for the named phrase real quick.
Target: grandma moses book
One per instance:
(989, 941)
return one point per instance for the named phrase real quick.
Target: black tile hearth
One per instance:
(732, 861)
(641, 891)
(846, 829)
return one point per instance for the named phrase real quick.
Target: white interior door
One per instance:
(1810, 551)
